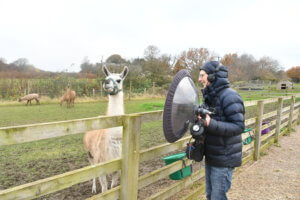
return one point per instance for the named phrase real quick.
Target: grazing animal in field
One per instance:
(29, 98)
(68, 97)
(105, 144)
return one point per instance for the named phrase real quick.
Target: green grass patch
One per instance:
(264, 94)
(152, 106)
(13, 115)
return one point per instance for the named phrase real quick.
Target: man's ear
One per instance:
(105, 70)
(124, 72)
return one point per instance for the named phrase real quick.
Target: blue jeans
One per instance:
(218, 181)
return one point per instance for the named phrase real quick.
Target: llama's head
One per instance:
(113, 82)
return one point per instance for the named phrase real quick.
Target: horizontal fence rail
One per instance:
(177, 187)
(27, 133)
(133, 156)
(250, 121)
(161, 173)
(160, 150)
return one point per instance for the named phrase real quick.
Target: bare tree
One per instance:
(268, 68)
(231, 62)
(21, 62)
(245, 67)
(115, 58)
(294, 74)
(192, 60)
(151, 53)
(156, 67)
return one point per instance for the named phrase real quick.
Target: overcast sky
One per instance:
(56, 35)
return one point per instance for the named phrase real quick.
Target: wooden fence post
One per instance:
(153, 88)
(130, 156)
(298, 122)
(28, 87)
(259, 116)
(101, 89)
(278, 120)
(130, 90)
(291, 114)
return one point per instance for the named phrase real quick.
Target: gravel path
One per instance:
(276, 176)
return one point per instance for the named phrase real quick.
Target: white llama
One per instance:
(103, 145)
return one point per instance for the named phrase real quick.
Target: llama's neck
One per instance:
(115, 104)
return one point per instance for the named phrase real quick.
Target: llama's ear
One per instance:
(124, 72)
(105, 71)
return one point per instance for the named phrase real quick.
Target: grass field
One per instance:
(23, 163)
(19, 114)
(263, 94)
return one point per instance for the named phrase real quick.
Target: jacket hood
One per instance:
(221, 82)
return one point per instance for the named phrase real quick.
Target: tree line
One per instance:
(153, 69)
(160, 68)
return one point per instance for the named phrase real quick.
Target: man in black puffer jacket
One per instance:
(223, 144)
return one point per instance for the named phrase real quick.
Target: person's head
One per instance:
(207, 73)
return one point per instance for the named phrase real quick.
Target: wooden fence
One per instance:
(131, 182)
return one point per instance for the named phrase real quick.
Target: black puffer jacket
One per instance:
(223, 145)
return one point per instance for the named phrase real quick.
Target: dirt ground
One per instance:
(276, 176)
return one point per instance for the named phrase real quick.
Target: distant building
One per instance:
(284, 85)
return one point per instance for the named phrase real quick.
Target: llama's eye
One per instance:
(119, 81)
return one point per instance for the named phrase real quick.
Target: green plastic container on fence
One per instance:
(249, 137)
(180, 174)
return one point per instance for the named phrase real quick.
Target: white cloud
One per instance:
(54, 34)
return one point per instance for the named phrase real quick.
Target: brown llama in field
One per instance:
(105, 144)
(29, 98)
(68, 97)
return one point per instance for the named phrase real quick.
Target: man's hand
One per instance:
(206, 122)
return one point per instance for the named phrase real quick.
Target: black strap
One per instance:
(115, 89)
